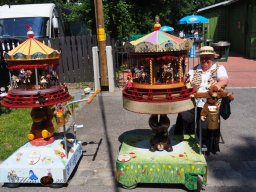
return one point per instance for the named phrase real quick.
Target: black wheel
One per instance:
(152, 149)
(169, 149)
(130, 187)
(11, 185)
(199, 183)
(57, 185)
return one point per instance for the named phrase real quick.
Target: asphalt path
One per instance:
(105, 122)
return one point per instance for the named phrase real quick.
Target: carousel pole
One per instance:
(151, 71)
(101, 37)
(36, 74)
(180, 69)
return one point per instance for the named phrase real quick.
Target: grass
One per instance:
(13, 130)
(15, 125)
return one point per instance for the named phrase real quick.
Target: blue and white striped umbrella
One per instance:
(193, 19)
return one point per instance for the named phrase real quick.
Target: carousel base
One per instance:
(48, 164)
(157, 107)
(22, 98)
(184, 165)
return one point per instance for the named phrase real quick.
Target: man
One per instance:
(202, 77)
(181, 34)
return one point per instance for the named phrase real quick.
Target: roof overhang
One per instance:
(26, 10)
(225, 3)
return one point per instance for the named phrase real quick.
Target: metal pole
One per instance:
(195, 120)
(74, 120)
(65, 140)
(200, 136)
(101, 37)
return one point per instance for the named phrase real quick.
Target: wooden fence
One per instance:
(76, 64)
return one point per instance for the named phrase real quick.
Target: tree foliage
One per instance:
(125, 17)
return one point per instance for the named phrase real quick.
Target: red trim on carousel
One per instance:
(164, 57)
(14, 99)
(30, 66)
(158, 96)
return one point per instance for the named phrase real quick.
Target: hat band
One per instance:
(207, 52)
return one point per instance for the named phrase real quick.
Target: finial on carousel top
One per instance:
(157, 25)
(30, 33)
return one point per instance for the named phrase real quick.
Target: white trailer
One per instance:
(45, 20)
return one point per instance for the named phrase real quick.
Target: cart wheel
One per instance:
(11, 185)
(57, 185)
(130, 187)
(199, 183)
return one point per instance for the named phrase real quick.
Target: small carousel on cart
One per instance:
(157, 85)
(47, 158)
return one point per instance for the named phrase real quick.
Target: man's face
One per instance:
(206, 62)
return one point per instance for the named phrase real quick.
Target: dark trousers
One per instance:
(185, 124)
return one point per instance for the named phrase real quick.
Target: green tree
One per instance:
(125, 17)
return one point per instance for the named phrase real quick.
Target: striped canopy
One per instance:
(158, 41)
(31, 49)
(31, 54)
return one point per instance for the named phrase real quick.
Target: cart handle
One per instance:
(92, 96)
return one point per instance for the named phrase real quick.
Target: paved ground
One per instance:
(105, 121)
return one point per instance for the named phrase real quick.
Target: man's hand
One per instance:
(203, 118)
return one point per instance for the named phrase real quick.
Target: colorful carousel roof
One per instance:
(158, 41)
(31, 54)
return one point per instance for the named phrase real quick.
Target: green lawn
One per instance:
(14, 127)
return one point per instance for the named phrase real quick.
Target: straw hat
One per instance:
(207, 51)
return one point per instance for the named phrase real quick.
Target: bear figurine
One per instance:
(213, 96)
(42, 126)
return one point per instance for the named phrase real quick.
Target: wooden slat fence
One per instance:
(76, 64)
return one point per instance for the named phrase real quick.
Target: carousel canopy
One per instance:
(31, 53)
(158, 41)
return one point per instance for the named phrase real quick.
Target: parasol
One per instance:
(166, 28)
(193, 19)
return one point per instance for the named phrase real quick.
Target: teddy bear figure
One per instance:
(42, 126)
(213, 97)
(160, 138)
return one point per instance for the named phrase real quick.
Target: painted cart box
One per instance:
(136, 164)
(33, 164)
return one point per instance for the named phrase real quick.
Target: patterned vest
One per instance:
(197, 78)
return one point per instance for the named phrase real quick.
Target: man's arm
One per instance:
(223, 82)
(222, 76)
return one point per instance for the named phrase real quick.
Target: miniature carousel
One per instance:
(35, 84)
(158, 85)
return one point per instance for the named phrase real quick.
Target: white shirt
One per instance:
(181, 35)
(206, 77)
